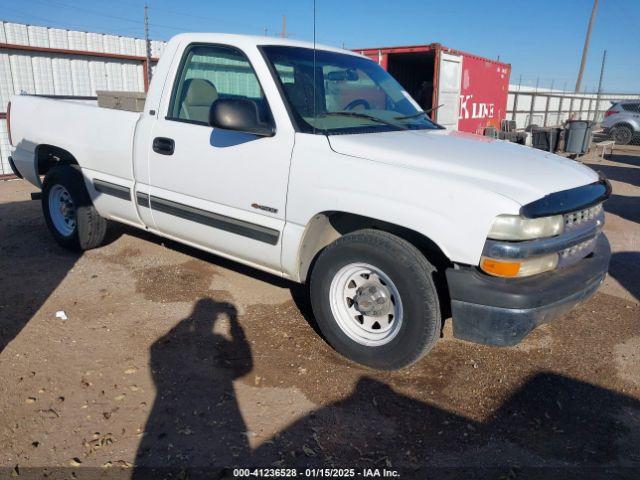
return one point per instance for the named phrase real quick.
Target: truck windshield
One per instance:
(351, 94)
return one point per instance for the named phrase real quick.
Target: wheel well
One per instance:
(49, 156)
(327, 227)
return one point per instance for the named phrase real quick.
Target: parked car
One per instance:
(622, 122)
(317, 166)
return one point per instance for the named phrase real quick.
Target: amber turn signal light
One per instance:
(500, 268)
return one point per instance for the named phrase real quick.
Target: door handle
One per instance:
(163, 145)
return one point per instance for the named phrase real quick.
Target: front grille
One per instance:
(580, 217)
(583, 219)
(570, 256)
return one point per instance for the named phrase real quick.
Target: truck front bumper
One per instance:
(497, 311)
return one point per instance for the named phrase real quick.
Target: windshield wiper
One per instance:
(362, 115)
(417, 114)
(408, 117)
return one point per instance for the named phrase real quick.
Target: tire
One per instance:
(68, 211)
(403, 336)
(622, 134)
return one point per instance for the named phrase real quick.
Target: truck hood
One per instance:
(520, 173)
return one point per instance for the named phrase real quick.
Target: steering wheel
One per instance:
(357, 103)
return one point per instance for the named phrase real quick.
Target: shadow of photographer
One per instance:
(195, 419)
(551, 425)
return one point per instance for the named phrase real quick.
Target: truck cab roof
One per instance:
(244, 41)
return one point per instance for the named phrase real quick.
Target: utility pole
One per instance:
(283, 34)
(604, 59)
(585, 49)
(147, 41)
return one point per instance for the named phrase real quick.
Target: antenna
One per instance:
(315, 76)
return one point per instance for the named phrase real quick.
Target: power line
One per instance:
(28, 18)
(131, 20)
(89, 11)
(206, 18)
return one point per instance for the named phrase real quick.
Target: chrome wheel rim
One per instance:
(366, 304)
(62, 210)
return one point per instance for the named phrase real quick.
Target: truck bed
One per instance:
(101, 139)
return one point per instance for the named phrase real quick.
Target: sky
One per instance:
(542, 40)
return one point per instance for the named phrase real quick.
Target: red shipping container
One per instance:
(466, 92)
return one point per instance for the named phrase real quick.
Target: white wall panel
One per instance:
(62, 78)
(43, 74)
(16, 33)
(3, 37)
(58, 38)
(157, 48)
(38, 36)
(81, 77)
(22, 73)
(133, 80)
(141, 47)
(6, 81)
(139, 77)
(115, 77)
(95, 42)
(127, 45)
(98, 72)
(77, 40)
(5, 169)
(111, 44)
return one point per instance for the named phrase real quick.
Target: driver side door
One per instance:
(220, 190)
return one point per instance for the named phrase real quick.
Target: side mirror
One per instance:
(240, 115)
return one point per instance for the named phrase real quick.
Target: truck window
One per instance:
(334, 93)
(211, 72)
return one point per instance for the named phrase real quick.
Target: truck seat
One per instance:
(200, 95)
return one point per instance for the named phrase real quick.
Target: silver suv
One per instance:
(622, 122)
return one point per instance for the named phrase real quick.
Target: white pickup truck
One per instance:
(317, 166)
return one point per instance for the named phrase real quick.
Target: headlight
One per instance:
(515, 227)
(520, 267)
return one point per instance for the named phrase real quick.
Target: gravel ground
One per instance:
(172, 358)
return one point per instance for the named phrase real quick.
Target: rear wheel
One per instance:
(622, 134)
(374, 299)
(68, 210)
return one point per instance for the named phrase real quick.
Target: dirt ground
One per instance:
(172, 358)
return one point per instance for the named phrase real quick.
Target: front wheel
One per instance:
(68, 210)
(375, 300)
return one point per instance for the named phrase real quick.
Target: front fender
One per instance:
(455, 215)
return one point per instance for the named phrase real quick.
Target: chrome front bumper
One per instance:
(499, 311)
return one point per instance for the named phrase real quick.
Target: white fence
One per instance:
(543, 107)
(52, 61)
